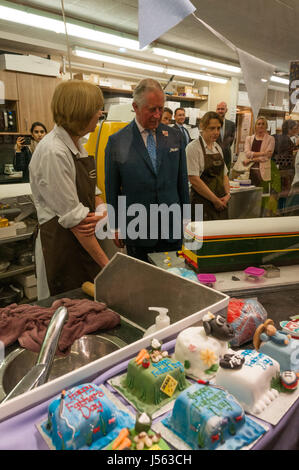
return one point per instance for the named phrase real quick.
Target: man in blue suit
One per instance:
(145, 162)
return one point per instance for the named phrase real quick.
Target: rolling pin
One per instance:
(88, 288)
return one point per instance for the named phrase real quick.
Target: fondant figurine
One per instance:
(268, 332)
(289, 379)
(232, 361)
(218, 327)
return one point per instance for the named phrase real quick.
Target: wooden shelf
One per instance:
(15, 133)
(167, 97)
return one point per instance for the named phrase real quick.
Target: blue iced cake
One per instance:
(84, 418)
(207, 417)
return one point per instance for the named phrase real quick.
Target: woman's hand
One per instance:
(246, 161)
(87, 226)
(219, 204)
(225, 199)
(20, 143)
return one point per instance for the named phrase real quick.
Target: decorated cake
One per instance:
(200, 348)
(139, 438)
(207, 417)
(153, 378)
(83, 417)
(247, 375)
(277, 344)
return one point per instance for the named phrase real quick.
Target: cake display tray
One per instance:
(102, 443)
(179, 444)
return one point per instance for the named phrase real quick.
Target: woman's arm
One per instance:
(91, 245)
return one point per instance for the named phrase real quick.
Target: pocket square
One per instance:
(173, 149)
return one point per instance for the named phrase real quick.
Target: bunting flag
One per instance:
(156, 17)
(294, 87)
(256, 74)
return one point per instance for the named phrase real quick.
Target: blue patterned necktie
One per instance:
(151, 148)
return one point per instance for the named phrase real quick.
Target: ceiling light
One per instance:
(50, 24)
(276, 79)
(116, 60)
(195, 60)
(196, 76)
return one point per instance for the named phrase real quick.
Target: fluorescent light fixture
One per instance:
(43, 22)
(196, 76)
(195, 60)
(117, 60)
(276, 79)
(87, 54)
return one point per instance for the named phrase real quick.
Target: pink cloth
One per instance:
(268, 143)
(28, 323)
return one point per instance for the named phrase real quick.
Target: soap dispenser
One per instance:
(162, 320)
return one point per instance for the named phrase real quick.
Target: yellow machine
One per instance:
(96, 145)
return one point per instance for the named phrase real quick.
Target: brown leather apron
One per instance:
(212, 176)
(67, 263)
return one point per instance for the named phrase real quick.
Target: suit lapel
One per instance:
(140, 148)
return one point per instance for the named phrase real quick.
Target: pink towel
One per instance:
(28, 323)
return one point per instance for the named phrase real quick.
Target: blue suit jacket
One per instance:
(129, 172)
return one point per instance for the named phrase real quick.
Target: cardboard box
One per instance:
(27, 280)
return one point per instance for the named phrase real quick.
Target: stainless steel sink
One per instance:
(83, 351)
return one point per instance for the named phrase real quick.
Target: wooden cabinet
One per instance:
(10, 85)
(34, 100)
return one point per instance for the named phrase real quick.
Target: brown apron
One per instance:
(212, 176)
(67, 263)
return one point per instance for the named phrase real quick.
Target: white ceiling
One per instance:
(264, 28)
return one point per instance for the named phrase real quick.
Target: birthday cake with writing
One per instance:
(83, 418)
(152, 379)
(207, 417)
(247, 375)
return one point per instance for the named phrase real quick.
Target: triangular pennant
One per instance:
(256, 74)
(156, 17)
(294, 87)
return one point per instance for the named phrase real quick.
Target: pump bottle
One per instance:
(162, 320)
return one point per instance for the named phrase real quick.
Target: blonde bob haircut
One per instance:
(74, 103)
(261, 118)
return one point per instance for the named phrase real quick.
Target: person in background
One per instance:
(259, 149)
(180, 117)
(284, 156)
(146, 162)
(167, 116)
(23, 153)
(207, 170)
(227, 134)
(63, 184)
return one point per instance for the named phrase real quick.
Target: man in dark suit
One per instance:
(146, 162)
(227, 134)
(180, 117)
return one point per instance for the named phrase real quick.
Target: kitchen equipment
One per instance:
(8, 120)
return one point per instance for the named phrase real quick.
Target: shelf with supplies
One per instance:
(15, 270)
(126, 92)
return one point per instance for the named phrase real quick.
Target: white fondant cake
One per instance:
(199, 353)
(251, 385)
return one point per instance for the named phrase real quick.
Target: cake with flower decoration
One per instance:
(200, 348)
(152, 378)
(208, 417)
(83, 418)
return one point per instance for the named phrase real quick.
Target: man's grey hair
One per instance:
(143, 87)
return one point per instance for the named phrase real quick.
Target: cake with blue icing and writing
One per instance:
(248, 376)
(207, 417)
(83, 418)
(152, 379)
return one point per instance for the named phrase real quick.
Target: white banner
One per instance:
(156, 17)
(256, 74)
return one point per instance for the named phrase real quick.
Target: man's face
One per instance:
(180, 117)
(221, 109)
(166, 118)
(149, 113)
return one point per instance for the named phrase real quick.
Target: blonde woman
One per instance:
(63, 184)
(259, 149)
